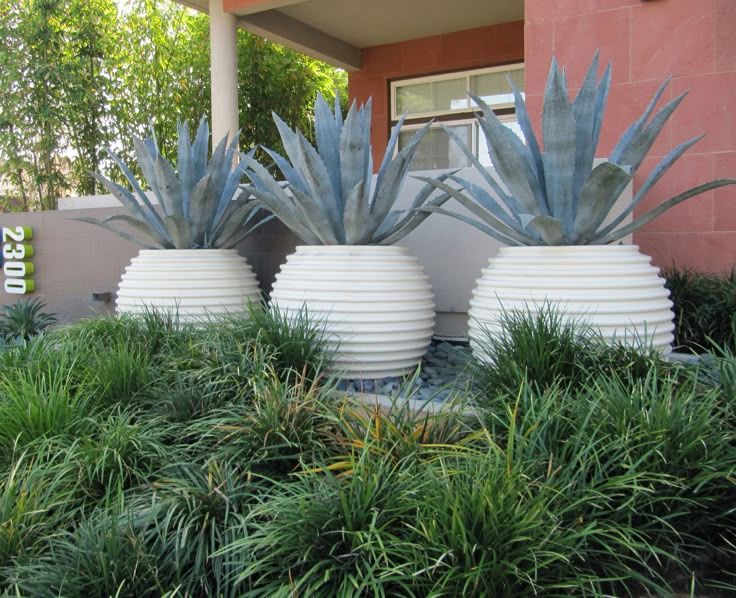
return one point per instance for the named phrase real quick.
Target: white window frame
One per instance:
(467, 74)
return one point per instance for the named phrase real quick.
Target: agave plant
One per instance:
(198, 209)
(557, 196)
(25, 319)
(330, 200)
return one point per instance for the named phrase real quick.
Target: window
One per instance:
(444, 97)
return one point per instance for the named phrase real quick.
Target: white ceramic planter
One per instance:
(612, 287)
(194, 282)
(375, 303)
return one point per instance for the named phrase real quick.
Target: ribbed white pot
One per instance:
(375, 303)
(194, 282)
(612, 287)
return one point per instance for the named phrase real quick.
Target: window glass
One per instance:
(437, 150)
(445, 96)
(433, 96)
(494, 89)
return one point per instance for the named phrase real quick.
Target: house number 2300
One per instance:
(17, 268)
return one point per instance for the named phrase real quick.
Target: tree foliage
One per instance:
(79, 76)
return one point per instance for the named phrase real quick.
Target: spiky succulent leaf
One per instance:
(169, 189)
(617, 234)
(600, 191)
(330, 199)
(584, 113)
(485, 220)
(195, 200)
(385, 194)
(184, 165)
(559, 135)
(579, 196)
(237, 226)
(203, 204)
(267, 190)
(509, 156)
(357, 211)
(550, 229)
(145, 206)
(313, 171)
(121, 233)
(327, 134)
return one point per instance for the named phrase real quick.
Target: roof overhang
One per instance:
(336, 30)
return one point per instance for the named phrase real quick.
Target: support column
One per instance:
(224, 71)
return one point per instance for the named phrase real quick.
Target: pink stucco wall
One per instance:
(695, 42)
(473, 48)
(647, 40)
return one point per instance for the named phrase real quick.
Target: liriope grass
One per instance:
(705, 309)
(144, 457)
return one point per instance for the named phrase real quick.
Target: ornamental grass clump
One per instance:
(705, 309)
(329, 197)
(558, 196)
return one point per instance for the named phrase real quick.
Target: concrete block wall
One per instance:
(74, 260)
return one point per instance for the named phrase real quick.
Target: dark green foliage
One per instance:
(80, 76)
(140, 457)
(25, 319)
(705, 309)
(546, 348)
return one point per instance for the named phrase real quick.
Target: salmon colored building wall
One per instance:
(473, 48)
(647, 41)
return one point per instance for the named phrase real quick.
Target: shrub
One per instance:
(546, 348)
(705, 309)
(25, 320)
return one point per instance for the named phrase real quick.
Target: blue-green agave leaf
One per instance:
(650, 181)
(124, 196)
(601, 98)
(123, 234)
(663, 207)
(327, 136)
(357, 211)
(354, 159)
(411, 220)
(313, 218)
(633, 131)
(390, 150)
(145, 208)
(559, 136)
(322, 194)
(288, 139)
(525, 123)
(491, 231)
(583, 109)
(550, 229)
(178, 229)
(485, 217)
(199, 150)
(184, 166)
(508, 200)
(236, 227)
(168, 187)
(599, 194)
(510, 160)
(487, 201)
(290, 173)
(200, 213)
(147, 164)
(388, 191)
(643, 141)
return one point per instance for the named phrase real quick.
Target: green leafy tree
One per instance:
(79, 76)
